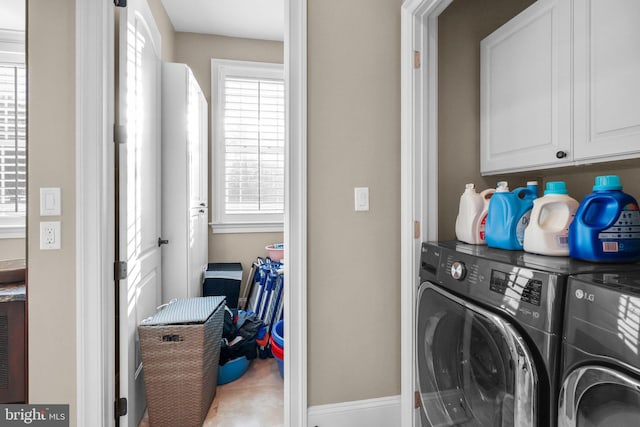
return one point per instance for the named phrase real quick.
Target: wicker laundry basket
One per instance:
(180, 348)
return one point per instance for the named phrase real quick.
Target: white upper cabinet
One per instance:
(560, 86)
(607, 79)
(525, 90)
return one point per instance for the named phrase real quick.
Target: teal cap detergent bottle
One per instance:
(508, 215)
(607, 224)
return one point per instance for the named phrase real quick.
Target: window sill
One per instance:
(257, 227)
(12, 232)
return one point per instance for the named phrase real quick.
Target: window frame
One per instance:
(12, 52)
(221, 221)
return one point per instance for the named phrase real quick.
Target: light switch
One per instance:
(50, 202)
(361, 195)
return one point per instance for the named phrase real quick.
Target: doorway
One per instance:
(94, 31)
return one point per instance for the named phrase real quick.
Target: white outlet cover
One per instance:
(50, 236)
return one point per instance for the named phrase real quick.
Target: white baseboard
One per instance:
(381, 412)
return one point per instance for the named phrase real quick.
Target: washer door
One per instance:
(594, 396)
(474, 368)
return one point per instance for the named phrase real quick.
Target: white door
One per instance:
(139, 193)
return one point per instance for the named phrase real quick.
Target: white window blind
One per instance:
(254, 145)
(249, 132)
(13, 147)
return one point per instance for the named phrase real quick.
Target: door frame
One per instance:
(419, 171)
(95, 213)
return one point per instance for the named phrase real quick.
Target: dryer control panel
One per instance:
(498, 280)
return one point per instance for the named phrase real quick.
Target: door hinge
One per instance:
(119, 134)
(120, 270)
(416, 59)
(120, 3)
(120, 407)
(416, 400)
(416, 229)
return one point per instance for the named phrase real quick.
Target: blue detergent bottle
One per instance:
(508, 215)
(607, 224)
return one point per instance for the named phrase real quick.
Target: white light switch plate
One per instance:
(361, 195)
(50, 202)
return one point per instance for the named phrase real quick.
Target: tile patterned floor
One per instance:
(254, 400)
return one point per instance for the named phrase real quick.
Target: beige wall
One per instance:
(353, 257)
(51, 287)
(460, 29)
(197, 50)
(167, 32)
(12, 249)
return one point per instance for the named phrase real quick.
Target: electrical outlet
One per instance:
(50, 235)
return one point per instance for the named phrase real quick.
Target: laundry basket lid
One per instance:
(185, 311)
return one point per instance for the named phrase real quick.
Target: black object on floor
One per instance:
(223, 279)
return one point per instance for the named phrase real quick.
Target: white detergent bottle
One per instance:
(548, 229)
(472, 215)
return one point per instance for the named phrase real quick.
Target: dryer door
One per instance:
(597, 396)
(474, 368)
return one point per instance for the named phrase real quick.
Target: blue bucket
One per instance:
(278, 333)
(232, 370)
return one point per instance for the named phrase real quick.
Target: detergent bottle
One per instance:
(607, 224)
(472, 215)
(548, 229)
(508, 215)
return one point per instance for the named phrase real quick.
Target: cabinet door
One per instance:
(607, 79)
(198, 250)
(525, 90)
(12, 352)
(195, 140)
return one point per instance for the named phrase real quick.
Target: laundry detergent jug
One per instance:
(548, 229)
(508, 215)
(472, 215)
(607, 224)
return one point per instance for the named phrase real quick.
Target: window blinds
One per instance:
(13, 147)
(254, 145)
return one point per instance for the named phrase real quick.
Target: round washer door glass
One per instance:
(609, 405)
(468, 373)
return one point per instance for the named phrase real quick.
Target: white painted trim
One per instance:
(258, 227)
(419, 171)
(381, 412)
(295, 234)
(94, 213)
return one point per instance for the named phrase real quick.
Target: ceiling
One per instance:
(253, 19)
(12, 15)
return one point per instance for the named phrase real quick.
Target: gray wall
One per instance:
(460, 29)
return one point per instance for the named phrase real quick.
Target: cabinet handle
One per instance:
(561, 154)
(162, 241)
(202, 211)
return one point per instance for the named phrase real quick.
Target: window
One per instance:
(13, 135)
(248, 125)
